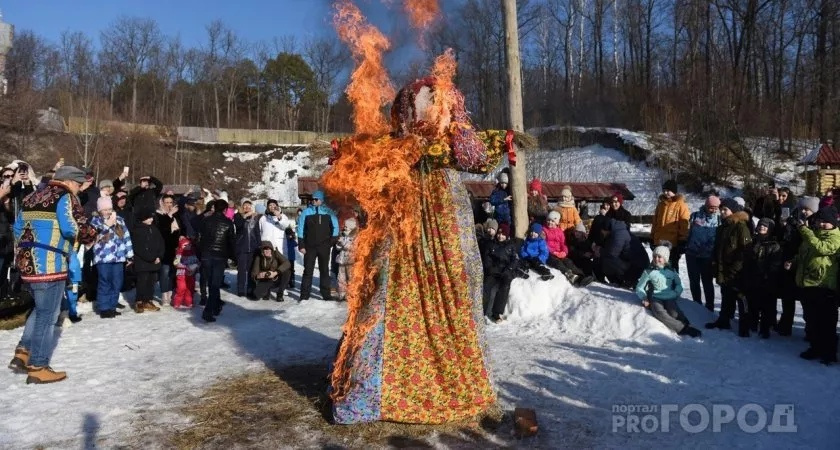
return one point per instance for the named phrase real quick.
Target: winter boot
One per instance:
(43, 375)
(573, 278)
(585, 281)
(150, 306)
(74, 319)
(139, 307)
(810, 354)
(720, 324)
(20, 360)
(546, 277)
(690, 331)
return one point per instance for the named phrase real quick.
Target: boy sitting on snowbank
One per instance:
(659, 288)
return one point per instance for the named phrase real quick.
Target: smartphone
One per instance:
(125, 169)
(785, 213)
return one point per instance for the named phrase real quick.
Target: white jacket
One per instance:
(273, 229)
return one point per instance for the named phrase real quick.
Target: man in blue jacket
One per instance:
(50, 223)
(317, 233)
(698, 252)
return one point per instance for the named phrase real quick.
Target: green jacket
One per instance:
(816, 262)
(732, 243)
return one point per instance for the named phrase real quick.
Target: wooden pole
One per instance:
(518, 173)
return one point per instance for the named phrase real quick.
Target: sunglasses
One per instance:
(8, 176)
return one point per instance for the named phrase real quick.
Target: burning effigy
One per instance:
(412, 348)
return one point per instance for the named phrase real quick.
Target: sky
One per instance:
(253, 20)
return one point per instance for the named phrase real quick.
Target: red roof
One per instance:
(482, 189)
(824, 155)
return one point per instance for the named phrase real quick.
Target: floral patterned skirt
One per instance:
(425, 361)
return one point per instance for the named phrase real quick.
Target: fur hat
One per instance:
(70, 173)
(504, 229)
(731, 204)
(670, 185)
(828, 215)
(809, 203)
(663, 250)
(491, 223)
(713, 200)
(103, 203)
(503, 178)
(554, 215)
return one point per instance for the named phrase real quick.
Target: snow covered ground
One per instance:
(570, 354)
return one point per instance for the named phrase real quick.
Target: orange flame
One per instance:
(444, 72)
(370, 87)
(422, 13)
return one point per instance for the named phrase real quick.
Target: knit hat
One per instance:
(502, 178)
(145, 213)
(350, 224)
(663, 250)
(106, 184)
(827, 215)
(566, 191)
(270, 201)
(618, 196)
(318, 195)
(504, 229)
(103, 203)
(767, 222)
(554, 215)
(731, 204)
(245, 200)
(535, 185)
(536, 228)
(670, 185)
(740, 201)
(713, 200)
(491, 223)
(70, 173)
(810, 203)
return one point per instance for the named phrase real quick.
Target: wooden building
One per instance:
(822, 169)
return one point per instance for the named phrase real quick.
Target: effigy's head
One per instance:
(427, 108)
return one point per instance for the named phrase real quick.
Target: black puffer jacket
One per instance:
(501, 258)
(148, 246)
(170, 238)
(216, 238)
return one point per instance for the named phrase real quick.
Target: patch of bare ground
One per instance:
(288, 408)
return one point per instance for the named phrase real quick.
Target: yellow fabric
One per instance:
(670, 221)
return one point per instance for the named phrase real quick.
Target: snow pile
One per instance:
(602, 313)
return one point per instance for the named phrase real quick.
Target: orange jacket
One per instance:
(569, 217)
(670, 221)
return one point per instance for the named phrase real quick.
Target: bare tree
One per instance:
(129, 42)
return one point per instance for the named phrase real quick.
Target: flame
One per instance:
(370, 87)
(422, 13)
(444, 72)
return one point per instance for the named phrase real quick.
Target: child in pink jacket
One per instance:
(558, 252)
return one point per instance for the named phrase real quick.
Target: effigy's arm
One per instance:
(476, 152)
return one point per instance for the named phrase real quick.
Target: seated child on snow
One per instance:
(659, 288)
(345, 259)
(558, 252)
(186, 265)
(534, 252)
